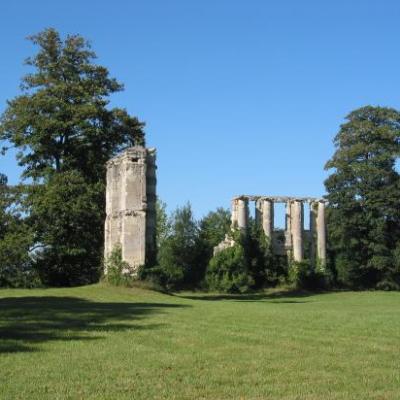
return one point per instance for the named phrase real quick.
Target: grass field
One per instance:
(98, 342)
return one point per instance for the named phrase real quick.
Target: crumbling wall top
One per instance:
(139, 153)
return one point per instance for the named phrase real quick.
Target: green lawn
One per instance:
(98, 342)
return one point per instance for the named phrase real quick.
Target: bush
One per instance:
(16, 241)
(167, 277)
(118, 270)
(16, 268)
(391, 277)
(228, 271)
(305, 276)
(248, 265)
(263, 265)
(16, 265)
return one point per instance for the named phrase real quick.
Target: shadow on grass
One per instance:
(283, 296)
(26, 322)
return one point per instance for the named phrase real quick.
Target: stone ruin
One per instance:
(131, 215)
(294, 241)
(131, 206)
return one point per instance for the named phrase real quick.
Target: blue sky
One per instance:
(237, 96)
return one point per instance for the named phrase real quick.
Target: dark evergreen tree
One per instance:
(65, 132)
(363, 193)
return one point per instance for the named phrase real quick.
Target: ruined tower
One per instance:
(131, 206)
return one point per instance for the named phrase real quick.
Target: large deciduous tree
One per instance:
(363, 193)
(65, 131)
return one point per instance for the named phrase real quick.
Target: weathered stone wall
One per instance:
(131, 206)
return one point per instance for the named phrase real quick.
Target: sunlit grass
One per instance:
(98, 342)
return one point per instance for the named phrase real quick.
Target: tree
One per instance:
(15, 241)
(163, 224)
(66, 210)
(65, 132)
(212, 230)
(214, 226)
(363, 193)
(263, 268)
(178, 250)
(178, 256)
(4, 204)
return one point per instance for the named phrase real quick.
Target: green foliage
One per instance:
(63, 212)
(118, 270)
(263, 267)
(65, 132)
(228, 271)
(60, 122)
(363, 192)
(16, 269)
(185, 249)
(178, 253)
(16, 239)
(163, 224)
(214, 226)
(391, 279)
(212, 230)
(248, 265)
(151, 272)
(303, 275)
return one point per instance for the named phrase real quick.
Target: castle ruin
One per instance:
(131, 215)
(294, 241)
(131, 206)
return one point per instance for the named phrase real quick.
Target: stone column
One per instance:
(297, 229)
(313, 231)
(268, 217)
(288, 229)
(234, 213)
(321, 234)
(243, 213)
(259, 211)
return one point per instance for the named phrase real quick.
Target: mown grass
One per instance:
(99, 342)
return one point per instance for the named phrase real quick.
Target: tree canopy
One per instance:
(363, 193)
(65, 132)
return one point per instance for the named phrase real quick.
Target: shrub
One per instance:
(263, 265)
(391, 277)
(167, 277)
(16, 241)
(16, 267)
(303, 275)
(228, 271)
(118, 270)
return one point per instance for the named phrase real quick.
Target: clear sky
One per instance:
(239, 97)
